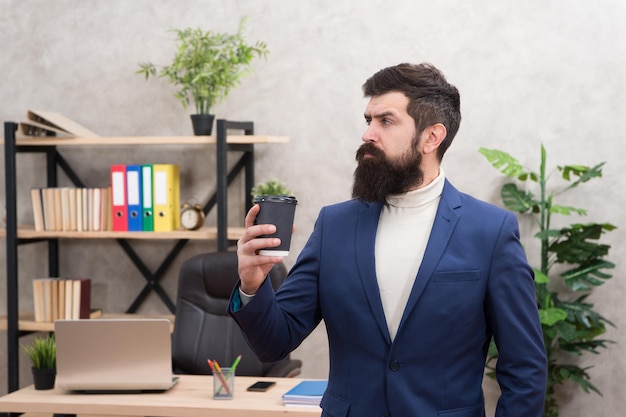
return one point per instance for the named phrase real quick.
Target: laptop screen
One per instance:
(114, 354)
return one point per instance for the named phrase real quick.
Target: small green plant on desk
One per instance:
(569, 322)
(42, 352)
(42, 355)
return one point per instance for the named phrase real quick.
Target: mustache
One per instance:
(369, 149)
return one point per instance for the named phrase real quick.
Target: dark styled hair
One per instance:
(432, 99)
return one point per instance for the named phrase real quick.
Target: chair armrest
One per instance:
(287, 368)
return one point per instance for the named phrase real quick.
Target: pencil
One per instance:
(235, 363)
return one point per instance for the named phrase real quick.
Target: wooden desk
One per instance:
(190, 397)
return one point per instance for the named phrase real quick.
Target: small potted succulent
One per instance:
(206, 66)
(270, 187)
(42, 355)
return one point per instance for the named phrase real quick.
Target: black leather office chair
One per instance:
(203, 329)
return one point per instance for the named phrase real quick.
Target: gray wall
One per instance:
(530, 73)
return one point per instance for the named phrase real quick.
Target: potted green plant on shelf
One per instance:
(42, 355)
(570, 324)
(206, 66)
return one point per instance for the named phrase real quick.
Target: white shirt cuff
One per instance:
(245, 298)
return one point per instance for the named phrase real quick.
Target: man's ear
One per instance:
(433, 137)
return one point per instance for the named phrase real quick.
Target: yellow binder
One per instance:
(166, 183)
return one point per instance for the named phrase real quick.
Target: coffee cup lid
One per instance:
(276, 199)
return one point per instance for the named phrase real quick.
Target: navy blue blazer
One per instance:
(474, 283)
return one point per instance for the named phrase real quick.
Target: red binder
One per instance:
(119, 204)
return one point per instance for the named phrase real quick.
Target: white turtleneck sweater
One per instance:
(403, 231)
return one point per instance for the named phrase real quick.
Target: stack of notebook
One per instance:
(307, 393)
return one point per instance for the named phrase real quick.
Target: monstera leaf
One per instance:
(518, 200)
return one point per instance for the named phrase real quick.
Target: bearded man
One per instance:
(412, 278)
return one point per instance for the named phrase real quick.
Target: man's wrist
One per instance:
(245, 294)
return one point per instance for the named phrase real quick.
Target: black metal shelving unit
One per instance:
(55, 161)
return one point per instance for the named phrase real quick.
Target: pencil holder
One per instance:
(224, 384)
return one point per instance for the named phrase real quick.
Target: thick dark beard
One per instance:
(377, 177)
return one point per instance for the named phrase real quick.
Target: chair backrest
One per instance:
(204, 330)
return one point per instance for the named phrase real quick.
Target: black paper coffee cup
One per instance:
(280, 211)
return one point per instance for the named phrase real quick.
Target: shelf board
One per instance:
(26, 322)
(204, 233)
(146, 140)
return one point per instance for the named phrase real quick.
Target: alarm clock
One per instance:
(191, 216)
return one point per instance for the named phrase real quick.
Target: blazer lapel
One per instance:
(445, 222)
(365, 236)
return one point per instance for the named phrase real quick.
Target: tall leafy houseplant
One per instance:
(207, 65)
(570, 324)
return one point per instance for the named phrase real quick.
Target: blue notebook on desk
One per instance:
(307, 392)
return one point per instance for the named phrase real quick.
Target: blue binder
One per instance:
(133, 197)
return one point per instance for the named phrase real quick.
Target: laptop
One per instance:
(114, 355)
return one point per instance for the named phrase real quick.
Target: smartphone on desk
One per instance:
(261, 386)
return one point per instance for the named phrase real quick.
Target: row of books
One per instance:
(61, 298)
(145, 197)
(71, 209)
(141, 198)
